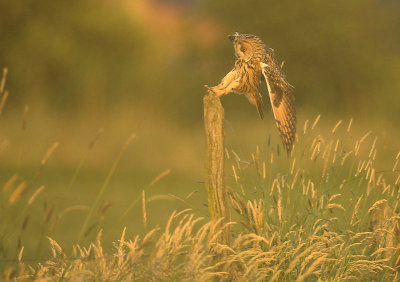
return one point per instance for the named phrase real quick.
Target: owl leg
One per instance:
(225, 90)
(228, 83)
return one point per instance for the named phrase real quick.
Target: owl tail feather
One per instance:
(256, 100)
(260, 106)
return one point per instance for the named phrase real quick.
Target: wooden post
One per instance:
(215, 177)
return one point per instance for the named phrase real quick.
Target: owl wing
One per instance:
(282, 100)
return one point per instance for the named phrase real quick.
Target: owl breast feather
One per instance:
(249, 76)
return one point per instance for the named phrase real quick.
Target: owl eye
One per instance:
(243, 49)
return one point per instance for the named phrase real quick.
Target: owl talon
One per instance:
(210, 88)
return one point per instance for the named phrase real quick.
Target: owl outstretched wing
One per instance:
(282, 100)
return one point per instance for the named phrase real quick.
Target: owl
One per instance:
(254, 62)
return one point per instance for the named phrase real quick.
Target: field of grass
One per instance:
(112, 198)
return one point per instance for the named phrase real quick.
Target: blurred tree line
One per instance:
(341, 56)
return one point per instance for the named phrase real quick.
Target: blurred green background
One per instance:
(140, 66)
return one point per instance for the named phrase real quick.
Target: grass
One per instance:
(329, 211)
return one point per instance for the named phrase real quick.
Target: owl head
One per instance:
(247, 46)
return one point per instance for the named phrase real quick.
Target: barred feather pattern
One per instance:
(282, 101)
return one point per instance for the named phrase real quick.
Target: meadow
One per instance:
(102, 142)
(83, 203)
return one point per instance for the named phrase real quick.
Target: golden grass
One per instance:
(325, 213)
(187, 249)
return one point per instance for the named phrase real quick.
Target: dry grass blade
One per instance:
(305, 127)
(35, 194)
(354, 216)
(72, 208)
(335, 206)
(55, 247)
(160, 176)
(378, 205)
(15, 195)
(293, 164)
(128, 142)
(49, 153)
(349, 126)
(336, 126)
(2, 85)
(95, 138)
(312, 268)
(234, 173)
(345, 157)
(105, 185)
(3, 80)
(10, 183)
(315, 122)
(144, 210)
(365, 136)
(3, 101)
(395, 165)
(236, 155)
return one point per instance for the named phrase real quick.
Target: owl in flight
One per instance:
(254, 61)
